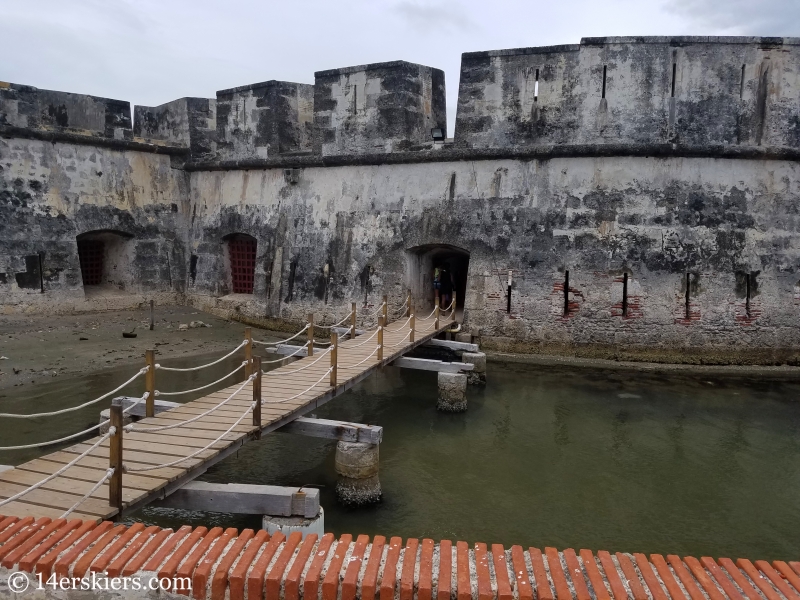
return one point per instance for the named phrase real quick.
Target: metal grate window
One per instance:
(243, 265)
(90, 253)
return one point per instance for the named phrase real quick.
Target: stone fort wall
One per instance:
(643, 192)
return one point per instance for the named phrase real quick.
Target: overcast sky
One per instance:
(153, 51)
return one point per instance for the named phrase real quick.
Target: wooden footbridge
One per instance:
(134, 464)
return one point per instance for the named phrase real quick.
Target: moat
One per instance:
(546, 456)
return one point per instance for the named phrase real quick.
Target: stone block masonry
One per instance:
(642, 192)
(226, 564)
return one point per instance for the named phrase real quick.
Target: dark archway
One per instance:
(105, 257)
(240, 251)
(421, 264)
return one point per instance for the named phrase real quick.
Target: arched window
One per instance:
(242, 262)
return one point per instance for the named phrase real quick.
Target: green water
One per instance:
(544, 456)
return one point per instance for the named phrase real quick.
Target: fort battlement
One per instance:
(635, 95)
(642, 192)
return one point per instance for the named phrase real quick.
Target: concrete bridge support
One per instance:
(477, 376)
(357, 466)
(452, 392)
(288, 525)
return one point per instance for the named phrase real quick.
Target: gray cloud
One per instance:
(433, 17)
(742, 17)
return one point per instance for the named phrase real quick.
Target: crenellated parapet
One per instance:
(265, 120)
(648, 91)
(187, 122)
(378, 108)
(647, 96)
(24, 107)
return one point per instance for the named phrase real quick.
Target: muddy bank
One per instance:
(37, 349)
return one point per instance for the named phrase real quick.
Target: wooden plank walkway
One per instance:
(284, 398)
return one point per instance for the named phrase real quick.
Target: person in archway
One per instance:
(445, 286)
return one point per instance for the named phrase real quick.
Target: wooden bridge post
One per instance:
(150, 383)
(248, 351)
(353, 321)
(453, 314)
(257, 395)
(334, 356)
(310, 334)
(436, 313)
(411, 323)
(381, 324)
(385, 309)
(115, 457)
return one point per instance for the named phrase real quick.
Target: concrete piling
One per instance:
(452, 392)
(357, 466)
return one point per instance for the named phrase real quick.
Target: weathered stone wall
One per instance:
(52, 192)
(598, 218)
(187, 122)
(642, 91)
(264, 120)
(647, 164)
(377, 108)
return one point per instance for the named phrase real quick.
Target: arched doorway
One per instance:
(422, 263)
(241, 259)
(105, 259)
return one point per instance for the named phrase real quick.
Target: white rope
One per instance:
(105, 478)
(365, 341)
(401, 341)
(408, 320)
(358, 364)
(193, 454)
(74, 435)
(141, 371)
(202, 387)
(296, 352)
(430, 315)
(132, 428)
(281, 341)
(335, 324)
(301, 393)
(403, 306)
(111, 431)
(380, 308)
(211, 364)
(276, 372)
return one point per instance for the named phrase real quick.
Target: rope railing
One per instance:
(362, 343)
(103, 438)
(260, 343)
(133, 429)
(211, 364)
(109, 473)
(193, 454)
(141, 371)
(375, 314)
(358, 364)
(410, 331)
(204, 387)
(282, 358)
(349, 315)
(311, 364)
(328, 372)
(72, 436)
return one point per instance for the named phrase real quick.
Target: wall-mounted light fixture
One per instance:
(438, 134)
